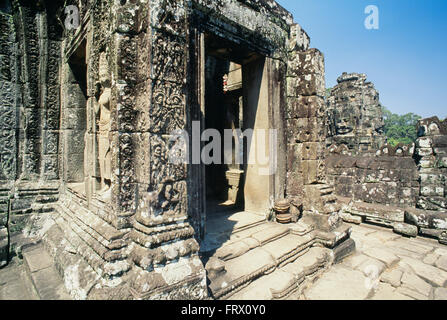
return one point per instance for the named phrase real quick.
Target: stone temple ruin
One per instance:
(354, 114)
(88, 121)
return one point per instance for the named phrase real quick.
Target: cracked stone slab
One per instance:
(440, 294)
(441, 263)
(412, 246)
(340, 284)
(268, 287)
(37, 259)
(383, 255)
(413, 282)
(312, 260)
(237, 221)
(371, 265)
(14, 284)
(392, 277)
(296, 268)
(431, 258)
(49, 285)
(387, 292)
(411, 293)
(404, 253)
(430, 274)
(441, 252)
(355, 261)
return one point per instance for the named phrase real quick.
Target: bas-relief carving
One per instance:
(102, 111)
(168, 107)
(169, 15)
(168, 58)
(166, 196)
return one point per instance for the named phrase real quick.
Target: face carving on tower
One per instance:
(344, 122)
(355, 113)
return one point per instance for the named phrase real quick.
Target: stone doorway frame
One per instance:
(275, 71)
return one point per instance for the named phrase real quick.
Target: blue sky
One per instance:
(406, 58)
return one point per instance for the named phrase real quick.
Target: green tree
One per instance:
(400, 128)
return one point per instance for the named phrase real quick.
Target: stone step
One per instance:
(98, 228)
(241, 262)
(72, 235)
(41, 271)
(15, 283)
(99, 231)
(99, 247)
(288, 280)
(71, 265)
(236, 222)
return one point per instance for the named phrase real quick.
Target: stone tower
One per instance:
(354, 114)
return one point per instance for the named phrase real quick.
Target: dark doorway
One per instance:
(224, 114)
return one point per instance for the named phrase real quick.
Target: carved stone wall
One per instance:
(389, 176)
(354, 114)
(431, 150)
(8, 123)
(29, 112)
(401, 187)
(141, 241)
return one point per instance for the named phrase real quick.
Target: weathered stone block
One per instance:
(168, 107)
(294, 157)
(74, 97)
(305, 130)
(295, 184)
(128, 16)
(424, 142)
(75, 172)
(405, 229)
(3, 219)
(305, 107)
(442, 162)
(344, 186)
(439, 141)
(432, 190)
(440, 151)
(312, 150)
(426, 219)
(74, 141)
(306, 63)
(310, 171)
(50, 167)
(307, 85)
(423, 152)
(299, 39)
(4, 248)
(364, 162)
(169, 16)
(144, 56)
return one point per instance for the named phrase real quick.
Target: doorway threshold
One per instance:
(224, 226)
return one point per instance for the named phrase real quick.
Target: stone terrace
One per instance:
(386, 266)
